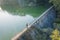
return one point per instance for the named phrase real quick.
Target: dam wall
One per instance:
(40, 28)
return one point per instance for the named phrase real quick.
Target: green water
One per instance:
(34, 11)
(10, 25)
(13, 20)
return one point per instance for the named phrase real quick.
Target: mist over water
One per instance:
(10, 24)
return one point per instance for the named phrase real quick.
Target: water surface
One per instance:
(10, 25)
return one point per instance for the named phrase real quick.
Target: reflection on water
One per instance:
(10, 25)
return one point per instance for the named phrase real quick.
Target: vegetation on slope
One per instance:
(56, 3)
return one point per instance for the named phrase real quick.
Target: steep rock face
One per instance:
(24, 3)
(31, 3)
(21, 3)
(9, 1)
(1, 1)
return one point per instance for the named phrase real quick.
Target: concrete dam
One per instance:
(43, 24)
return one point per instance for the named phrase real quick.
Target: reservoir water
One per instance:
(10, 24)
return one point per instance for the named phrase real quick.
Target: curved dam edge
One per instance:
(19, 35)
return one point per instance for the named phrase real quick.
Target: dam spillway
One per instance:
(34, 30)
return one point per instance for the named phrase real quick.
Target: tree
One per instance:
(56, 3)
(55, 35)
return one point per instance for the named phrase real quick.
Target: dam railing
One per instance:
(46, 19)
